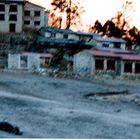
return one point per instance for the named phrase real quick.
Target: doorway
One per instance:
(12, 27)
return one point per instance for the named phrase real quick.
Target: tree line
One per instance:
(66, 13)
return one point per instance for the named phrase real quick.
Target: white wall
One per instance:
(73, 36)
(14, 61)
(4, 25)
(43, 18)
(83, 64)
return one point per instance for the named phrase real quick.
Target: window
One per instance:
(137, 68)
(13, 8)
(105, 45)
(37, 13)
(2, 17)
(13, 17)
(111, 65)
(12, 27)
(53, 35)
(66, 36)
(2, 7)
(37, 23)
(117, 45)
(128, 67)
(26, 13)
(26, 22)
(99, 64)
(23, 61)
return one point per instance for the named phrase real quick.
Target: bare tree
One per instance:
(123, 17)
(68, 9)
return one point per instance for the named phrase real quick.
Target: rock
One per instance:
(118, 110)
(7, 127)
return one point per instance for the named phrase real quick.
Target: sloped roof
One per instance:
(48, 55)
(109, 39)
(13, 1)
(62, 42)
(56, 30)
(130, 57)
(58, 40)
(86, 34)
(114, 50)
(99, 53)
(28, 1)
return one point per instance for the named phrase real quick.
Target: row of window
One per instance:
(13, 8)
(99, 65)
(54, 35)
(27, 22)
(12, 17)
(128, 67)
(116, 45)
(28, 13)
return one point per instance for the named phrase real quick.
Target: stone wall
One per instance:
(33, 62)
(14, 61)
(83, 64)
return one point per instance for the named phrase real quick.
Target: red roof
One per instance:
(102, 53)
(132, 57)
(40, 54)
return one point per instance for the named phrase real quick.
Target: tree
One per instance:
(97, 28)
(55, 21)
(110, 29)
(123, 17)
(68, 9)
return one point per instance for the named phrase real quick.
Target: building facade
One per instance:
(91, 62)
(13, 16)
(109, 42)
(34, 16)
(28, 61)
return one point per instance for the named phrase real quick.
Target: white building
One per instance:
(15, 15)
(34, 16)
(109, 42)
(11, 15)
(28, 61)
(92, 62)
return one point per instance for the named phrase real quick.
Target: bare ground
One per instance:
(44, 107)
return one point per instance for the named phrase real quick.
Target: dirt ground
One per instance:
(44, 107)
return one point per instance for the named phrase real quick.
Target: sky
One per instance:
(101, 10)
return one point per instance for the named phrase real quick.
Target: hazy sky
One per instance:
(102, 10)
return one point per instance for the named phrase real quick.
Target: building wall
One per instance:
(14, 61)
(107, 44)
(123, 46)
(83, 64)
(59, 35)
(73, 36)
(4, 25)
(36, 22)
(47, 34)
(33, 62)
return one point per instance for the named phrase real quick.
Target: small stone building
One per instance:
(90, 62)
(28, 61)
